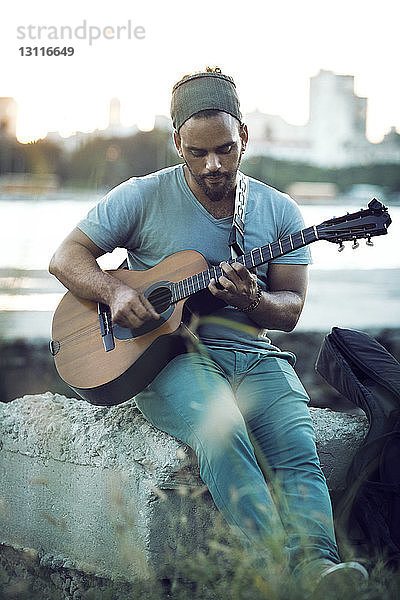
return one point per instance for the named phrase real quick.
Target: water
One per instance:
(32, 230)
(354, 287)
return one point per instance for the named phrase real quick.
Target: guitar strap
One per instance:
(236, 236)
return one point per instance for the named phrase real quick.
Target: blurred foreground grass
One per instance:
(202, 559)
(221, 568)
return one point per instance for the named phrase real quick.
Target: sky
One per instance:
(270, 48)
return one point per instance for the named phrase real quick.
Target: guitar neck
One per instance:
(256, 257)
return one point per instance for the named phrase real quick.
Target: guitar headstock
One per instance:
(365, 223)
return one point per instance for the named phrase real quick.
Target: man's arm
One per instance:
(280, 307)
(74, 264)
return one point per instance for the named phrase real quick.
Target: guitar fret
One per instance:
(256, 259)
(215, 275)
(240, 259)
(275, 249)
(247, 261)
(286, 245)
(308, 235)
(173, 293)
(297, 240)
(263, 251)
(252, 259)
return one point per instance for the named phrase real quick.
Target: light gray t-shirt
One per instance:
(157, 215)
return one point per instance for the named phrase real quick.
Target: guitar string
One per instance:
(78, 334)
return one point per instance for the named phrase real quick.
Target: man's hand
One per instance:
(74, 264)
(130, 308)
(279, 307)
(237, 286)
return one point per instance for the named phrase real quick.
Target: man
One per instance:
(238, 402)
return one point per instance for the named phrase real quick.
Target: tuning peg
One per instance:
(355, 244)
(368, 242)
(341, 246)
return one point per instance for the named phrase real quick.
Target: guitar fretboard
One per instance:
(256, 257)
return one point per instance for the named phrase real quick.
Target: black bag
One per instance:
(369, 376)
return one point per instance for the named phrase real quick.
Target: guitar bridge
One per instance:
(106, 326)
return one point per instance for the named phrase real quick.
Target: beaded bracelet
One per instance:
(255, 302)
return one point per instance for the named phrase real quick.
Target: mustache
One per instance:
(215, 175)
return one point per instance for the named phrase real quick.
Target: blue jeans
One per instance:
(246, 417)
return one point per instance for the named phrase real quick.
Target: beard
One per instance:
(216, 186)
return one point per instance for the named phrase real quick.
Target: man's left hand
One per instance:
(237, 286)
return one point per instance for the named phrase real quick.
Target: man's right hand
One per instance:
(74, 264)
(130, 308)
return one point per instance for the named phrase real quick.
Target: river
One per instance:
(354, 288)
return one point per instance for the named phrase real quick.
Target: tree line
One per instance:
(102, 163)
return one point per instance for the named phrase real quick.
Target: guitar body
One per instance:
(111, 377)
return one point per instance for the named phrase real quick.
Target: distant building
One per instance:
(115, 112)
(337, 124)
(312, 191)
(388, 151)
(8, 117)
(73, 142)
(335, 135)
(163, 123)
(115, 127)
(271, 135)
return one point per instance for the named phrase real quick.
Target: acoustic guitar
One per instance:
(107, 364)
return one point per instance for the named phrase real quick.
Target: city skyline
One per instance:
(113, 108)
(271, 51)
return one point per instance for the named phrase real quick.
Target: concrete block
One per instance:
(102, 491)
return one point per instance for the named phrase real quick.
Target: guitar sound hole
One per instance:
(160, 298)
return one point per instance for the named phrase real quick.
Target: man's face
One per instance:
(212, 149)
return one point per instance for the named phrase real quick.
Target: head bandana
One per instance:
(202, 91)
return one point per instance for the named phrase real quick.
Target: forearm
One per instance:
(278, 310)
(79, 271)
(75, 265)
